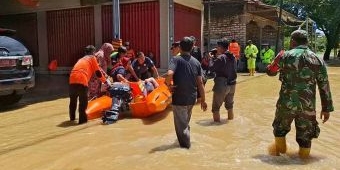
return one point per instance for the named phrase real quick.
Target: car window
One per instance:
(11, 47)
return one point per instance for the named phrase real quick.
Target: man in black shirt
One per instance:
(196, 51)
(144, 67)
(224, 65)
(186, 73)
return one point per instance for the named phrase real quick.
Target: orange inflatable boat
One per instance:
(96, 107)
(141, 106)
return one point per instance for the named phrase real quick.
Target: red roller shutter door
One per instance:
(187, 22)
(139, 26)
(69, 31)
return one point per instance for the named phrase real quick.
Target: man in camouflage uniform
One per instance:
(300, 71)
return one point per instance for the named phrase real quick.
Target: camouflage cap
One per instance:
(299, 36)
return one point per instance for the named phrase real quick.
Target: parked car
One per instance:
(16, 69)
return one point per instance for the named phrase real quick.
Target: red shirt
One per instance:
(130, 53)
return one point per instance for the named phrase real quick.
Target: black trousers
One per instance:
(78, 90)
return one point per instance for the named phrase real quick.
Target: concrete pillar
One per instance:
(98, 26)
(166, 31)
(202, 30)
(42, 42)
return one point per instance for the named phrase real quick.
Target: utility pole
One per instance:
(208, 24)
(115, 19)
(315, 36)
(171, 22)
(278, 28)
(307, 21)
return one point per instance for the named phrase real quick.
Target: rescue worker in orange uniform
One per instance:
(79, 78)
(235, 49)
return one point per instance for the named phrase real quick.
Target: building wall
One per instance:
(14, 7)
(269, 35)
(223, 20)
(26, 31)
(58, 30)
(187, 22)
(239, 25)
(229, 27)
(139, 25)
(253, 33)
(69, 31)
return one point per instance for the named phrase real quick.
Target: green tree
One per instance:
(324, 12)
(321, 42)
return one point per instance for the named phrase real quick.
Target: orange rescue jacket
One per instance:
(84, 69)
(235, 49)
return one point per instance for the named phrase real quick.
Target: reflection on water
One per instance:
(164, 147)
(208, 122)
(151, 143)
(288, 159)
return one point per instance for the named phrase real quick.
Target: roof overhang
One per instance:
(30, 3)
(263, 10)
(272, 13)
(223, 1)
(196, 4)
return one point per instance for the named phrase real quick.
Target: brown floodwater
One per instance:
(39, 137)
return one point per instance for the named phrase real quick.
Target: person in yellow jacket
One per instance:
(267, 55)
(251, 53)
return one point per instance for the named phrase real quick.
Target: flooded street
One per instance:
(38, 136)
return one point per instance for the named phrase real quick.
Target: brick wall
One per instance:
(229, 27)
(225, 27)
(237, 23)
(269, 35)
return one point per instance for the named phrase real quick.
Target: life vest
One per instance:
(235, 49)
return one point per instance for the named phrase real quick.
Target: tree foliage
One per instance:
(324, 12)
